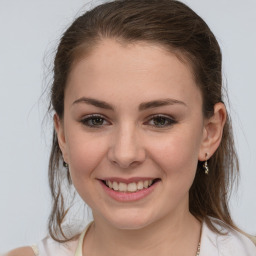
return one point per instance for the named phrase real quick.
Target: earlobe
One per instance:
(59, 129)
(213, 130)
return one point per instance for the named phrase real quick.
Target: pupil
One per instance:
(97, 121)
(159, 121)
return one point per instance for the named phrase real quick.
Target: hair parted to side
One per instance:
(180, 30)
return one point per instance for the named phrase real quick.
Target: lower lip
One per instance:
(128, 196)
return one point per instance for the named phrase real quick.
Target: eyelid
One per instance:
(87, 118)
(171, 120)
(90, 117)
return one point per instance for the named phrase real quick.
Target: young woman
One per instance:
(144, 135)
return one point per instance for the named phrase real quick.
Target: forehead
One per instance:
(138, 69)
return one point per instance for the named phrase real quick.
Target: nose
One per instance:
(126, 150)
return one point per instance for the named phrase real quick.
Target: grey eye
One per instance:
(161, 121)
(94, 121)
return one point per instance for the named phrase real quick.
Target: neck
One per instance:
(164, 237)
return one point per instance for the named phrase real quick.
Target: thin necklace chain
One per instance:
(197, 252)
(198, 249)
(199, 244)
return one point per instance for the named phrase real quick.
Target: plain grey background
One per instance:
(29, 34)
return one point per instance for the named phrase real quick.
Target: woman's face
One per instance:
(132, 117)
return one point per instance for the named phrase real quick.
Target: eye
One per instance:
(94, 121)
(160, 121)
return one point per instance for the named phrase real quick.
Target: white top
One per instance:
(212, 244)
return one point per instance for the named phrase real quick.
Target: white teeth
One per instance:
(109, 183)
(140, 185)
(122, 187)
(145, 184)
(131, 187)
(115, 186)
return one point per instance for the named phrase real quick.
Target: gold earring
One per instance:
(205, 165)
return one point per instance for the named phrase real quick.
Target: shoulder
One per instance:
(22, 251)
(50, 247)
(229, 242)
(46, 247)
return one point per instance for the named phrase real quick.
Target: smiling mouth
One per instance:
(130, 187)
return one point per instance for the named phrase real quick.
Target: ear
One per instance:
(212, 134)
(59, 129)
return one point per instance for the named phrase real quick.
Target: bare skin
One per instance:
(125, 142)
(135, 112)
(162, 240)
(22, 251)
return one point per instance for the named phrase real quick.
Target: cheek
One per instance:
(177, 154)
(85, 154)
(177, 157)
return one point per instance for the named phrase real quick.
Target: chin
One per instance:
(130, 220)
(130, 225)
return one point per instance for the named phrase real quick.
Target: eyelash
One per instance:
(168, 121)
(85, 121)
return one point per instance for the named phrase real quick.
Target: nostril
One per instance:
(126, 154)
(125, 164)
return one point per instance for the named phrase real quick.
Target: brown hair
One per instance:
(180, 30)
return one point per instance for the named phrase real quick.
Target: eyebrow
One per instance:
(159, 103)
(142, 106)
(94, 102)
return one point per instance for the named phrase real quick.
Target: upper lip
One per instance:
(129, 180)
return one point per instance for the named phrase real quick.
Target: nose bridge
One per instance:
(127, 149)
